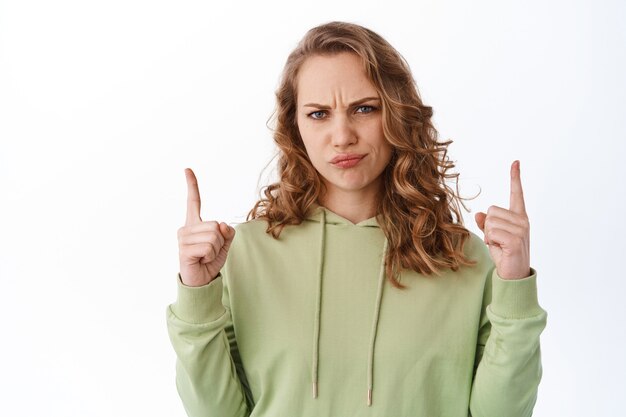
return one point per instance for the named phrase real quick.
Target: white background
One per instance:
(104, 103)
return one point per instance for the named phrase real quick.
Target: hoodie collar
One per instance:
(334, 218)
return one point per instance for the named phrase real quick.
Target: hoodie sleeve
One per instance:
(207, 373)
(508, 357)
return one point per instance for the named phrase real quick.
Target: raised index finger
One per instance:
(517, 194)
(193, 198)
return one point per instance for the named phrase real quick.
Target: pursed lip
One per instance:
(346, 157)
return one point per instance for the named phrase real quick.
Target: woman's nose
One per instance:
(343, 133)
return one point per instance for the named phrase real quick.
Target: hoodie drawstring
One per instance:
(318, 312)
(318, 307)
(379, 297)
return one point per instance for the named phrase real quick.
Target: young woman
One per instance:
(354, 289)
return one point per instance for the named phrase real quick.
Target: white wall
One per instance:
(103, 104)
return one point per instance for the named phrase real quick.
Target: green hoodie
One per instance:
(307, 326)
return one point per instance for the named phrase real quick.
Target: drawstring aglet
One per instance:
(369, 397)
(315, 389)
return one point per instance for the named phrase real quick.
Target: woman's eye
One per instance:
(317, 114)
(365, 109)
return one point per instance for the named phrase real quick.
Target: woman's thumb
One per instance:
(227, 231)
(480, 220)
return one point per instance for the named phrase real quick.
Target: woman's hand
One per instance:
(507, 232)
(202, 246)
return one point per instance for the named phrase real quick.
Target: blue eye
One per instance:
(316, 115)
(366, 109)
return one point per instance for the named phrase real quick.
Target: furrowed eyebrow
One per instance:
(356, 103)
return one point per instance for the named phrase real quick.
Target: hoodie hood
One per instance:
(325, 217)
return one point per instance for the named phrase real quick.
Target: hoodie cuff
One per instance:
(199, 305)
(515, 298)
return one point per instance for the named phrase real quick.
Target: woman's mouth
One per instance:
(347, 160)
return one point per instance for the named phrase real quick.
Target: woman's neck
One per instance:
(354, 206)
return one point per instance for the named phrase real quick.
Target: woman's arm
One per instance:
(508, 356)
(199, 322)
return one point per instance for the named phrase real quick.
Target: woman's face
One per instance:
(339, 115)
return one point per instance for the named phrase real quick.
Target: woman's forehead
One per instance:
(324, 79)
